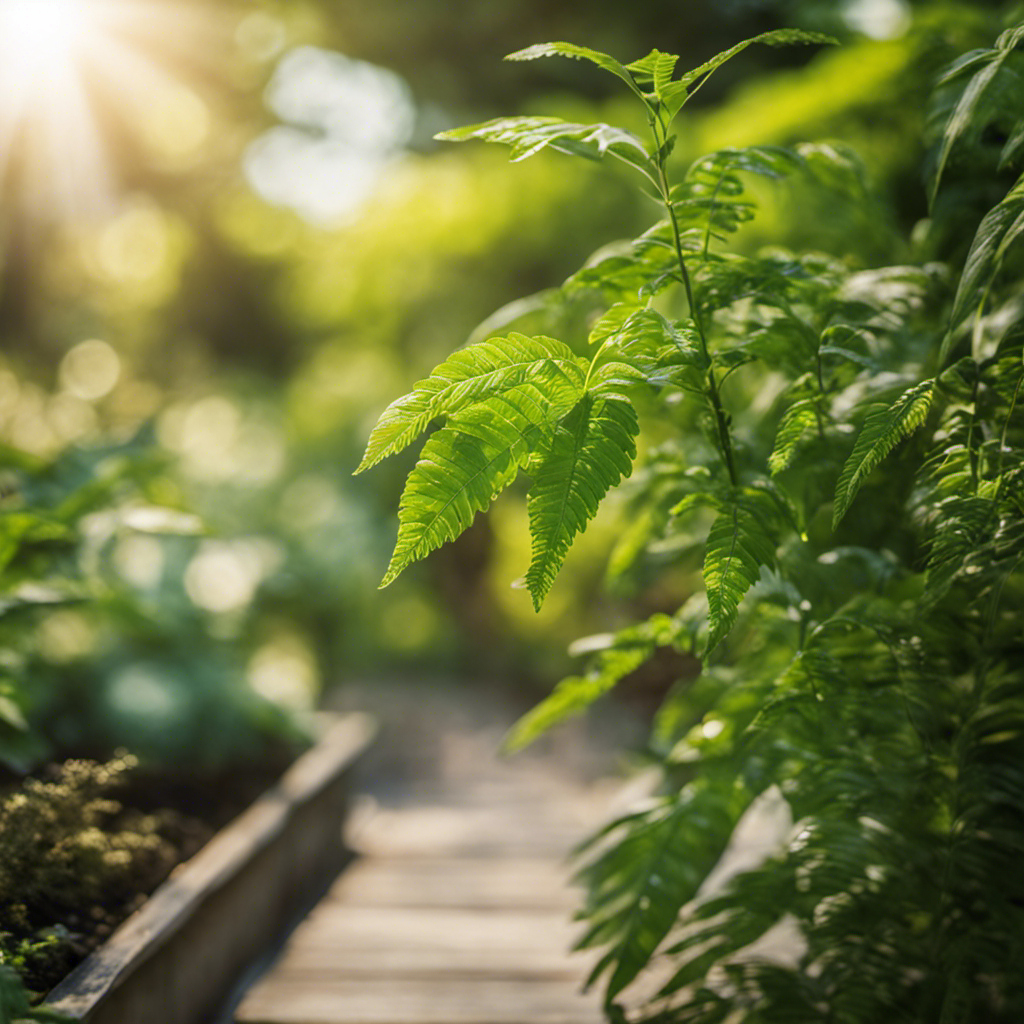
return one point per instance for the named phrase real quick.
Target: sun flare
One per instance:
(37, 35)
(66, 66)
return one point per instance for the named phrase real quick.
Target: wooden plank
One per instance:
(431, 1001)
(485, 883)
(465, 832)
(317, 964)
(368, 927)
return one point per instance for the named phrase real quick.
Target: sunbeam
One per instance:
(63, 64)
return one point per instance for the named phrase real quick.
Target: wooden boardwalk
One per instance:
(458, 909)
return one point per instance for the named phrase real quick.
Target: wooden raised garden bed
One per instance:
(178, 958)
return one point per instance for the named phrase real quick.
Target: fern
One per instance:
(468, 463)
(527, 136)
(873, 688)
(999, 229)
(986, 65)
(883, 429)
(639, 883)
(590, 450)
(741, 541)
(465, 377)
(624, 653)
(800, 418)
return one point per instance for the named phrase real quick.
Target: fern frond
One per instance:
(882, 431)
(625, 652)
(467, 463)
(962, 523)
(655, 70)
(798, 421)
(987, 66)
(675, 95)
(629, 271)
(742, 539)
(591, 449)
(526, 136)
(469, 375)
(998, 230)
(656, 864)
(662, 351)
(559, 49)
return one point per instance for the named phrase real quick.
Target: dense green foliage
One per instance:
(839, 448)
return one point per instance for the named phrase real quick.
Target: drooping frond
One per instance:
(987, 66)
(529, 135)
(467, 463)
(797, 422)
(467, 376)
(998, 230)
(962, 522)
(623, 652)
(883, 429)
(655, 865)
(742, 539)
(590, 450)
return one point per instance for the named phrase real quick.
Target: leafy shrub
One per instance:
(835, 458)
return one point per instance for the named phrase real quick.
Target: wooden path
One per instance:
(458, 909)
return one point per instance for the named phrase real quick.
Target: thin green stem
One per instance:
(713, 394)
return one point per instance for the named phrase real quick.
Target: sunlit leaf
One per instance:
(883, 429)
(591, 449)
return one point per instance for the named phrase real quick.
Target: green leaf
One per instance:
(467, 376)
(883, 429)
(591, 449)
(798, 421)
(1013, 147)
(470, 461)
(20, 528)
(656, 69)
(571, 50)
(628, 272)
(742, 539)
(529, 135)
(611, 322)
(991, 63)
(998, 230)
(627, 650)
(963, 522)
(679, 93)
(654, 866)
(662, 351)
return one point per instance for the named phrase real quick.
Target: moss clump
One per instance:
(73, 861)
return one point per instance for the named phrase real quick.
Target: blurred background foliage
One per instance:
(228, 242)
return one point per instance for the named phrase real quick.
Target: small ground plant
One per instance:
(839, 451)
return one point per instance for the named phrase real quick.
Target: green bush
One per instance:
(832, 461)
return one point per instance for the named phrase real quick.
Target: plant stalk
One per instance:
(714, 396)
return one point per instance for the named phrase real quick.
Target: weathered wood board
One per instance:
(436, 1000)
(458, 911)
(484, 883)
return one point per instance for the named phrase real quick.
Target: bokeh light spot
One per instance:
(90, 370)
